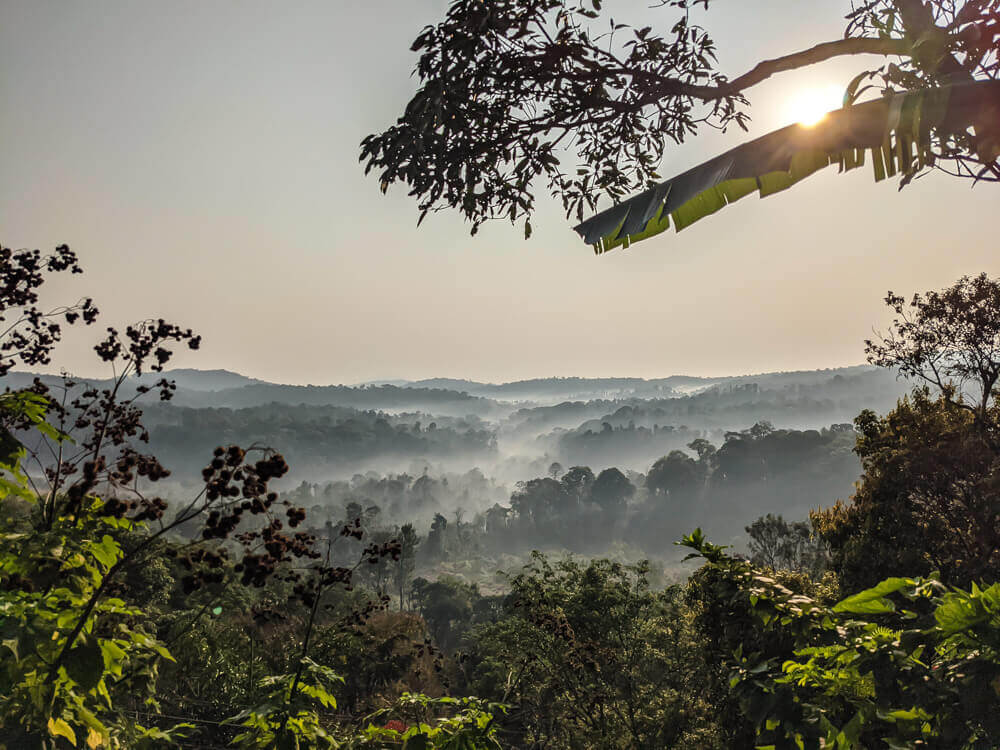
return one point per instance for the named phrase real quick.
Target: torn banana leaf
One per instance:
(895, 133)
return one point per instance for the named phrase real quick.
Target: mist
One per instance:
(611, 466)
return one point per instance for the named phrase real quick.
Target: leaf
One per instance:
(84, 665)
(94, 739)
(151, 643)
(911, 715)
(11, 451)
(13, 488)
(872, 601)
(10, 643)
(107, 552)
(59, 728)
(777, 161)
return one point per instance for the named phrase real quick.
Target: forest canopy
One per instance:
(257, 614)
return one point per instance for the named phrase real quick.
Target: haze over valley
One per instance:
(729, 449)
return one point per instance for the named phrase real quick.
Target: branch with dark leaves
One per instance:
(28, 333)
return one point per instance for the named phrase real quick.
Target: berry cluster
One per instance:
(204, 566)
(30, 333)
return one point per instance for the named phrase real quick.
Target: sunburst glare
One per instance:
(809, 106)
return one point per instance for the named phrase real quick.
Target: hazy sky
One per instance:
(202, 159)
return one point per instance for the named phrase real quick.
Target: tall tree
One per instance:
(611, 490)
(675, 473)
(928, 495)
(408, 540)
(949, 339)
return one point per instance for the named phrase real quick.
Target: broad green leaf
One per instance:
(106, 552)
(896, 129)
(59, 728)
(872, 601)
(85, 665)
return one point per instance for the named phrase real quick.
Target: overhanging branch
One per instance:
(764, 70)
(819, 53)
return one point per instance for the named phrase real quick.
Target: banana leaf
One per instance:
(894, 132)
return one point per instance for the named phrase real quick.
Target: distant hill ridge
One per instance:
(454, 396)
(680, 383)
(217, 380)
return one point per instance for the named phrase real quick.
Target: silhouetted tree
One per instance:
(611, 490)
(675, 473)
(950, 339)
(409, 540)
(506, 86)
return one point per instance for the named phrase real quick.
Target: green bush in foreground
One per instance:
(908, 663)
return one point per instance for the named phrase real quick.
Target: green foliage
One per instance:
(590, 656)
(468, 724)
(23, 408)
(294, 713)
(67, 650)
(446, 605)
(926, 500)
(908, 663)
(287, 718)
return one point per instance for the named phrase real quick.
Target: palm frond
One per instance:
(895, 132)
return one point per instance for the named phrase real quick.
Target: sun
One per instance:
(809, 106)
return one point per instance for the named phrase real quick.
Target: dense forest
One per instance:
(200, 559)
(252, 605)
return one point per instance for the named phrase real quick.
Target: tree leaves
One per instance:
(510, 89)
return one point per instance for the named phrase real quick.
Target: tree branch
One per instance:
(820, 53)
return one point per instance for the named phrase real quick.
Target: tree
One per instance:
(510, 88)
(29, 332)
(593, 657)
(760, 430)
(72, 453)
(436, 537)
(611, 490)
(675, 473)
(409, 540)
(446, 605)
(543, 502)
(926, 501)
(705, 452)
(578, 480)
(928, 493)
(949, 339)
(777, 544)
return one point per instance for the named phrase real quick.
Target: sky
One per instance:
(202, 159)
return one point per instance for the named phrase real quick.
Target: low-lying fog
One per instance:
(615, 460)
